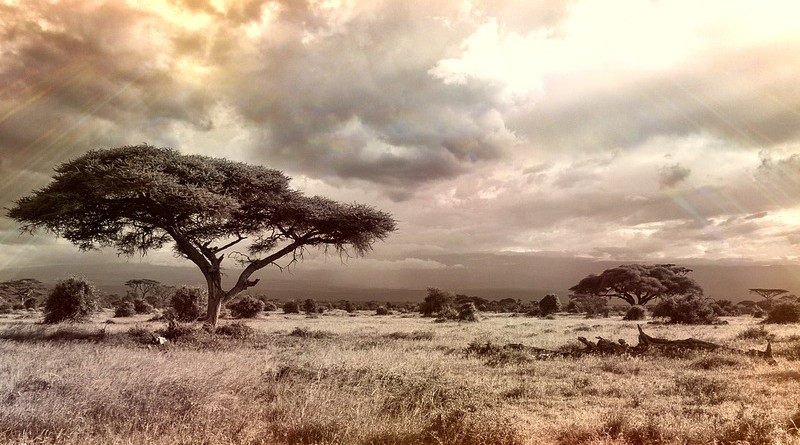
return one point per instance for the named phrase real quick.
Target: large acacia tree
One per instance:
(639, 283)
(140, 198)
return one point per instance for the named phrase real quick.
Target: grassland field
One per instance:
(343, 378)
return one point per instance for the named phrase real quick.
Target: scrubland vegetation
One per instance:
(358, 378)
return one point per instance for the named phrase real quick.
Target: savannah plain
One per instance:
(340, 378)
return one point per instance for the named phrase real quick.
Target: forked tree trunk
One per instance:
(215, 300)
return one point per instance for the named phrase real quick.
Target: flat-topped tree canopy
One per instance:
(139, 198)
(768, 293)
(639, 283)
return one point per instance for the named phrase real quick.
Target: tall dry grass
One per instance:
(339, 379)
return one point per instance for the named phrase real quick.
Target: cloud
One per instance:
(670, 175)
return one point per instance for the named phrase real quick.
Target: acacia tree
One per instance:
(639, 284)
(23, 289)
(140, 198)
(768, 293)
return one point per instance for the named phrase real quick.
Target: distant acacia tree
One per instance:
(768, 293)
(140, 198)
(22, 289)
(638, 284)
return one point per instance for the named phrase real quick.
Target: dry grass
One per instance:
(338, 379)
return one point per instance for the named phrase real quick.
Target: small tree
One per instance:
(468, 312)
(246, 307)
(291, 307)
(768, 293)
(435, 302)
(187, 302)
(73, 299)
(690, 309)
(309, 306)
(549, 305)
(22, 289)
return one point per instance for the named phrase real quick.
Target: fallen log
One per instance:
(646, 343)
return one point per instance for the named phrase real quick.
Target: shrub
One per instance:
(246, 307)
(468, 312)
(549, 305)
(73, 299)
(381, 310)
(446, 314)
(349, 307)
(124, 309)
(784, 313)
(177, 330)
(309, 306)
(270, 306)
(291, 307)
(635, 313)
(5, 308)
(31, 303)
(435, 302)
(237, 330)
(758, 312)
(188, 302)
(690, 309)
(142, 306)
(140, 334)
(592, 305)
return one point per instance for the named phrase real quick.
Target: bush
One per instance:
(246, 307)
(6, 308)
(549, 305)
(73, 299)
(31, 303)
(784, 313)
(690, 309)
(142, 307)
(635, 313)
(435, 302)
(237, 330)
(446, 314)
(291, 307)
(309, 306)
(187, 303)
(270, 306)
(349, 307)
(468, 312)
(381, 310)
(176, 330)
(124, 309)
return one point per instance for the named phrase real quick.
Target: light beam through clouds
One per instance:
(619, 130)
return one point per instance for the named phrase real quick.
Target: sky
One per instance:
(614, 131)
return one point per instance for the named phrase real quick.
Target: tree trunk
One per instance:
(215, 296)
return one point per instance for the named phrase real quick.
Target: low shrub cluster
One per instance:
(689, 309)
(635, 313)
(73, 299)
(246, 307)
(187, 303)
(783, 313)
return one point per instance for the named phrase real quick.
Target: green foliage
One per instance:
(784, 313)
(635, 313)
(549, 305)
(291, 307)
(435, 302)
(639, 283)
(690, 309)
(124, 308)
(246, 307)
(188, 303)
(73, 299)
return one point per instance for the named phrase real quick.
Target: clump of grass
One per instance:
(704, 390)
(309, 333)
(37, 333)
(497, 355)
(180, 331)
(414, 335)
(237, 330)
(620, 368)
(755, 333)
(710, 362)
(790, 351)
